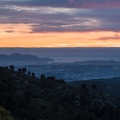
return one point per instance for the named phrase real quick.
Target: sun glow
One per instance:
(21, 36)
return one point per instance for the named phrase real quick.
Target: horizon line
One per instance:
(51, 47)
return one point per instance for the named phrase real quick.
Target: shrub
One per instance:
(5, 115)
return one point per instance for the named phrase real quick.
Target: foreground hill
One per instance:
(111, 85)
(47, 98)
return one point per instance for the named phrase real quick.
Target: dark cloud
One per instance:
(62, 18)
(9, 31)
(68, 3)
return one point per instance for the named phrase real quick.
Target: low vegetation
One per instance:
(48, 98)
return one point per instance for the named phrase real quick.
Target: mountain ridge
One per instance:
(22, 57)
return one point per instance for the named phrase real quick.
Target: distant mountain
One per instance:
(99, 62)
(21, 57)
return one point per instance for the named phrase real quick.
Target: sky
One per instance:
(59, 23)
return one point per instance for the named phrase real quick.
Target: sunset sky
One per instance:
(59, 23)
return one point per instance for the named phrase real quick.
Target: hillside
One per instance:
(47, 98)
(111, 85)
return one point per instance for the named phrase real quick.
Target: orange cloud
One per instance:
(22, 37)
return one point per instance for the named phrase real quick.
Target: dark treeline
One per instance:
(25, 97)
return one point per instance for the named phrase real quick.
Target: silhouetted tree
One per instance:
(83, 86)
(24, 70)
(94, 87)
(19, 70)
(51, 78)
(29, 73)
(12, 67)
(85, 98)
(33, 74)
(6, 68)
(42, 77)
(61, 81)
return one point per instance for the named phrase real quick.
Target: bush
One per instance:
(5, 115)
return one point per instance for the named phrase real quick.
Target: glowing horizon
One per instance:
(59, 39)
